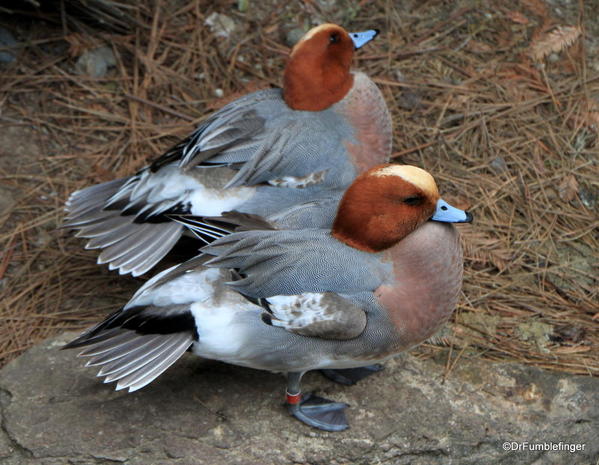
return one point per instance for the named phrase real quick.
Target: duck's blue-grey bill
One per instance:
(448, 214)
(362, 38)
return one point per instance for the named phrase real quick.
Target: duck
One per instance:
(262, 153)
(384, 278)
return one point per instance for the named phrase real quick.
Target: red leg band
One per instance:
(293, 399)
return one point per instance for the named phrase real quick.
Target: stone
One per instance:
(96, 62)
(54, 411)
(7, 42)
(499, 165)
(589, 196)
(294, 35)
(221, 25)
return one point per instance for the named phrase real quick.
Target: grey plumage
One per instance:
(149, 372)
(102, 342)
(316, 213)
(308, 260)
(134, 360)
(82, 201)
(114, 352)
(137, 343)
(268, 155)
(254, 141)
(171, 274)
(126, 245)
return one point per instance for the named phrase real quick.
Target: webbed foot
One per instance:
(350, 376)
(318, 412)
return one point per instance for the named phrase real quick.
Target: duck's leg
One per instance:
(313, 410)
(350, 376)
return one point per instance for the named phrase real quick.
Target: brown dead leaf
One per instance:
(477, 46)
(517, 17)
(593, 119)
(270, 29)
(568, 188)
(79, 43)
(522, 81)
(568, 333)
(536, 7)
(96, 107)
(519, 91)
(553, 42)
(505, 38)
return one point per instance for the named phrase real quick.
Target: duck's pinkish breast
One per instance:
(365, 109)
(427, 280)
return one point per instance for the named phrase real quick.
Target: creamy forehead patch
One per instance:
(412, 174)
(311, 33)
(316, 30)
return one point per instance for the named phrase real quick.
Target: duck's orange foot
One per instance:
(350, 376)
(318, 412)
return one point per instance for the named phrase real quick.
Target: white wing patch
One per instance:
(325, 315)
(168, 187)
(299, 182)
(213, 202)
(294, 312)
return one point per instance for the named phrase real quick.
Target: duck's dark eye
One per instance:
(334, 38)
(415, 200)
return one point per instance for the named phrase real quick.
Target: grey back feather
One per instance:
(265, 138)
(308, 260)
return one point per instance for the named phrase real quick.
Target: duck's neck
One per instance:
(365, 109)
(314, 87)
(376, 235)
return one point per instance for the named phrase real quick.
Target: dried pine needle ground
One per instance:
(500, 104)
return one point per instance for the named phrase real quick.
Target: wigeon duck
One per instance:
(266, 151)
(382, 280)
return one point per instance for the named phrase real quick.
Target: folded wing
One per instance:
(326, 315)
(290, 262)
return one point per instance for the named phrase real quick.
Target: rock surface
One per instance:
(202, 412)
